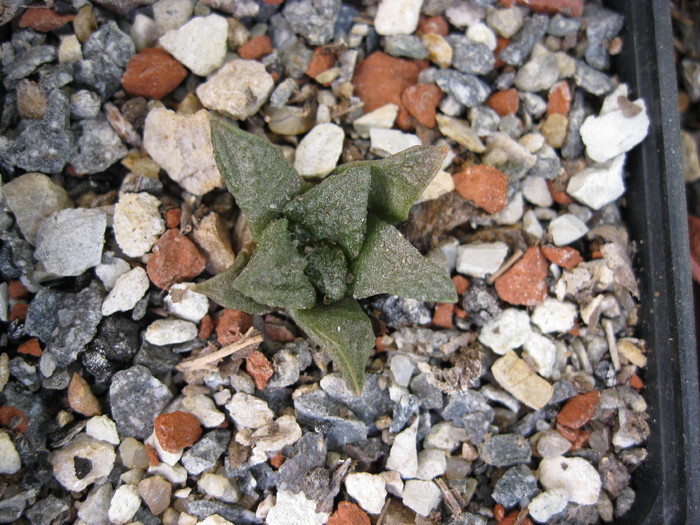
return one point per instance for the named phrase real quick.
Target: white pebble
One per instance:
(137, 223)
(431, 464)
(576, 475)
(401, 369)
(421, 496)
(183, 302)
(481, 259)
(110, 269)
(566, 229)
(509, 330)
(170, 332)
(144, 32)
(218, 487)
(403, 456)
(124, 505)
(397, 17)
(385, 142)
(513, 211)
(102, 428)
(10, 461)
(200, 44)
(531, 225)
(203, 409)
(441, 184)
(554, 316)
(462, 14)
(318, 152)
(249, 411)
(383, 117)
(599, 184)
(542, 351)
(295, 509)
(482, 33)
(444, 436)
(547, 504)
(128, 290)
(368, 490)
(536, 191)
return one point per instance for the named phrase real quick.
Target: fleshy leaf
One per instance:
(220, 289)
(275, 273)
(390, 264)
(255, 172)
(328, 271)
(345, 332)
(336, 209)
(398, 180)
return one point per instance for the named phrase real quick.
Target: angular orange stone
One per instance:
(177, 430)
(579, 409)
(322, 60)
(443, 315)
(566, 257)
(524, 284)
(43, 20)
(175, 259)
(565, 7)
(30, 347)
(255, 48)
(231, 325)
(349, 514)
(421, 101)
(559, 99)
(152, 73)
(433, 24)
(485, 186)
(259, 368)
(504, 102)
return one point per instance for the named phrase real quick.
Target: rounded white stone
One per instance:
(554, 316)
(385, 142)
(183, 302)
(403, 456)
(613, 133)
(421, 496)
(110, 270)
(431, 464)
(218, 486)
(397, 17)
(576, 475)
(238, 89)
(368, 490)
(203, 409)
(124, 505)
(536, 191)
(382, 117)
(137, 223)
(509, 330)
(401, 369)
(318, 152)
(200, 44)
(547, 504)
(481, 259)
(170, 332)
(542, 351)
(600, 184)
(128, 290)
(10, 461)
(249, 411)
(102, 428)
(482, 33)
(566, 229)
(294, 509)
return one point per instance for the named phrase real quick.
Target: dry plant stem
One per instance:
(521, 516)
(505, 267)
(612, 343)
(206, 361)
(582, 356)
(449, 498)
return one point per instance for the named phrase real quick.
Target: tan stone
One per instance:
(513, 374)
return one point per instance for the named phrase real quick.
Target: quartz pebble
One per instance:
(137, 223)
(403, 456)
(70, 241)
(599, 184)
(421, 496)
(125, 502)
(212, 238)
(295, 509)
(385, 142)
(181, 145)
(10, 461)
(576, 475)
(170, 331)
(183, 302)
(397, 17)
(238, 89)
(554, 316)
(200, 44)
(128, 289)
(368, 490)
(318, 152)
(548, 504)
(566, 229)
(383, 117)
(155, 492)
(83, 462)
(508, 331)
(249, 411)
(481, 259)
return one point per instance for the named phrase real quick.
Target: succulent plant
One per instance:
(321, 248)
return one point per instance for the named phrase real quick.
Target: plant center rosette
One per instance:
(321, 248)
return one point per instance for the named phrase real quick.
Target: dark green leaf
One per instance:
(345, 332)
(398, 180)
(255, 172)
(275, 273)
(220, 289)
(336, 209)
(328, 270)
(389, 264)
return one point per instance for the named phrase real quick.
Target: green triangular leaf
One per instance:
(255, 172)
(220, 289)
(390, 264)
(336, 209)
(398, 180)
(328, 271)
(275, 273)
(345, 332)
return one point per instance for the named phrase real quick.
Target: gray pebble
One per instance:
(546, 166)
(614, 475)
(470, 57)
(98, 147)
(202, 509)
(410, 46)
(481, 302)
(476, 425)
(136, 398)
(49, 511)
(561, 26)
(309, 453)
(12, 507)
(601, 26)
(369, 406)
(462, 403)
(517, 484)
(534, 104)
(99, 74)
(431, 398)
(404, 410)
(26, 62)
(504, 450)
(399, 311)
(312, 20)
(592, 80)
(296, 58)
(484, 120)
(466, 89)
(55, 76)
(42, 315)
(206, 452)
(112, 43)
(158, 359)
(522, 43)
(84, 104)
(289, 362)
(282, 93)
(78, 317)
(317, 410)
(573, 145)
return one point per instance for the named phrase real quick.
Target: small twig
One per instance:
(449, 498)
(612, 343)
(505, 266)
(521, 516)
(340, 113)
(205, 362)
